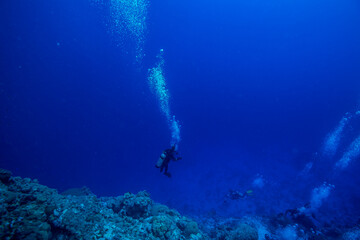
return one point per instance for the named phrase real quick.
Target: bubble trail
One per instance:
(319, 194)
(352, 153)
(127, 21)
(157, 83)
(332, 141)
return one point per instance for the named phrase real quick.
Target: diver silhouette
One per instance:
(166, 156)
(236, 195)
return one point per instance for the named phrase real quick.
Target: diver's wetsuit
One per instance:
(235, 195)
(169, 155)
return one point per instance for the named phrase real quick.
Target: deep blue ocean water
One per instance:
(257, 86)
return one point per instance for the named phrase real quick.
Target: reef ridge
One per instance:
(29, 210)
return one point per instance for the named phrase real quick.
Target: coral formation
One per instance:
(244, 232)
(353, 234)
(29, 210)
(230, 229)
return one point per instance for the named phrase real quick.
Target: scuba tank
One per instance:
(161, 160)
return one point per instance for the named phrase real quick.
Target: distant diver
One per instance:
(166, 156)
(236, 195)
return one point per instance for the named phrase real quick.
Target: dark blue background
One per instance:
(256, 86)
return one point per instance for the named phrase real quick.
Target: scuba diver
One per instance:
(165, 157)
(235, 195)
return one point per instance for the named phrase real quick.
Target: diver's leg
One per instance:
(166, 173)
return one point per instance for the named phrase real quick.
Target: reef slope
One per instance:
(29, 210)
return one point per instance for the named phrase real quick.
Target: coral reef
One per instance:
(230, 228)
(352, 234)
(29, 210)
(244, 232)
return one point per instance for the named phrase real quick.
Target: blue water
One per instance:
(257, 86)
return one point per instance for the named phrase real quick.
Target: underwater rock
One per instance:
(191, 227)
(353, 234)
(135, 206)
(244, 232)
(29, 210)
(164, 227)
(221, 228)
(5, 175)
(84, 191)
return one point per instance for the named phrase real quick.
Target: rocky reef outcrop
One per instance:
(29, 210)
